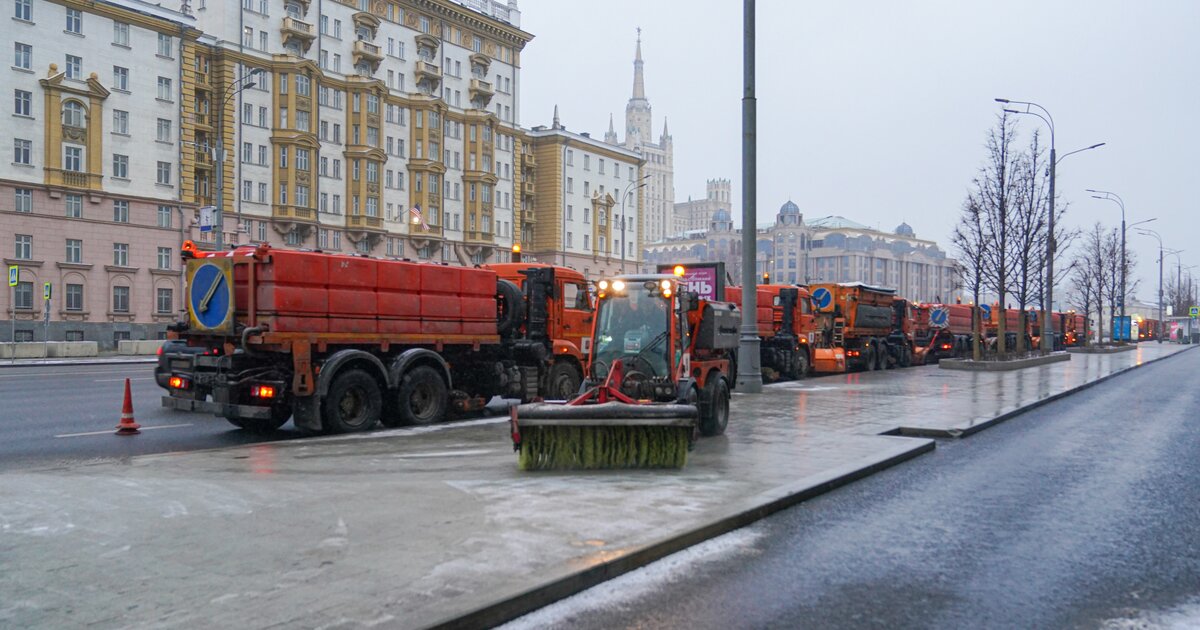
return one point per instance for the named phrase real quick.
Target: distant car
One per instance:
(173, 349)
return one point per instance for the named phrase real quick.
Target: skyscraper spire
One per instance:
(639, 84)
(555, 124)
(611, 135)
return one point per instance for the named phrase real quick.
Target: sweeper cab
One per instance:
(659, 374)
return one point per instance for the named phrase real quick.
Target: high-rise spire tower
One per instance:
(637, 112)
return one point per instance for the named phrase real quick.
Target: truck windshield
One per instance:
(633, 327)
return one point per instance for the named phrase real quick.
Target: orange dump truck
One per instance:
(785, 324)
(851, 326)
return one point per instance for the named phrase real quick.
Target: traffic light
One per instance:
(516, 252)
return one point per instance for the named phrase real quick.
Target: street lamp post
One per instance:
(1115, 198)
(636, 184)
(219, 150)
(1156, 235)
(749, 372)
(1051, 246)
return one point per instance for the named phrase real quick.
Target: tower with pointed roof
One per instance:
(658, 153)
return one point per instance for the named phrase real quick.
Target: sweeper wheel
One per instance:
(714, 415)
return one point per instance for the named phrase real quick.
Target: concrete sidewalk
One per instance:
(411, 528)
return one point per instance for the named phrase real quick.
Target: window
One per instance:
(121, 254)
(74, 297)
(24, 300)
(22, 103)
(164, 45)
(293, 238)
(22, 150)
(120, 166)
(262, 155)
(24, 247)
(301, 196)
(74, 250)
(23, 10)
(302, 120)
(164, 173)
(164, 89)
(262, 194)
(74, 67)
(120, 78)
(74, 206)
(75, 21)
(283, 157)
(120, 34)
(72, 114)
(283, 194)
(302, 159)
(164, 130)
(164, 216)
(23, 56)
(164, 257)
(262, 40)
(164, 300)
(121, 122)
(73, 159)
(120, 301)
(120, 211)
(23, 200)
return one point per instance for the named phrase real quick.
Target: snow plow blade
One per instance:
(603, 436)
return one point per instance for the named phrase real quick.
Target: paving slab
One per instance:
(419, 527)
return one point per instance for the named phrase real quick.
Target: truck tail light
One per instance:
(179, 382)
(262, 391)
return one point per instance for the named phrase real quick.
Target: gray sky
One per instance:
(877, 110)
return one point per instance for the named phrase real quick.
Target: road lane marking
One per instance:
(446, 454)
(118, 380)
(113, 430)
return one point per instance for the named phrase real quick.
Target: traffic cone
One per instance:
(127, 426)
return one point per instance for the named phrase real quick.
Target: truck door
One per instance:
(576, 310)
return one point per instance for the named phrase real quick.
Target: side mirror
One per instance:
(689, 301)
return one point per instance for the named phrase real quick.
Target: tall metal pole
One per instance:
(749, 376)
(1160, 292)
(219, 158)
(1051, 245)
(1124, 263)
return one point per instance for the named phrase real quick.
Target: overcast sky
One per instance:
(877, 110)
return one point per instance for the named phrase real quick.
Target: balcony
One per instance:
(527, 187)
(204, 159)
(72, 179)
(363, 222)
(368, 52)
(530, 217)
(428, 71)
(299, 32)
(481, 90)
(428, 231)
(204, 120)
(477, 237)
(528, 160)
(293, 213)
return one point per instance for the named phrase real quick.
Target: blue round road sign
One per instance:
(822, 298)
(939, 317)
(209, 296)
(985, 310)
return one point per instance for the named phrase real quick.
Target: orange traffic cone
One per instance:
(127, 426)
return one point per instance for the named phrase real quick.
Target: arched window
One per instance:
(72, 114)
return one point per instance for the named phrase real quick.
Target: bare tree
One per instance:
(1092, 281)
(972, 247)
(1028, 238)
(996, 189)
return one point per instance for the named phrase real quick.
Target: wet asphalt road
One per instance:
(1084, 513)
(57, 415)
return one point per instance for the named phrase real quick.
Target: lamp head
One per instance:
(1002, 100)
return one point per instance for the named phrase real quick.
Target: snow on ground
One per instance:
(1183, 617)
(626, 590)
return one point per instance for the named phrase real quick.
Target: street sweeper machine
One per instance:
(659, 375)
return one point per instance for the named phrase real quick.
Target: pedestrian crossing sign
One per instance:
(13, 273)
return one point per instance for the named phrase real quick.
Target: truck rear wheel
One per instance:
(714, 410)
(352, 404)
(869, 353)
(800, 364)
(562, 383)
(422, 396)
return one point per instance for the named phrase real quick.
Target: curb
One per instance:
(91, 361)
(1008, 415)
(1105, 350)
(968, 365)
(515, 606)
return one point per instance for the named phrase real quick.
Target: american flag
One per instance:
(415, 211)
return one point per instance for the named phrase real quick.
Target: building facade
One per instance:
(695, 214)
(384, 127)
(828, 249)
(659, 157)
(91, 197)
(579, 218)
